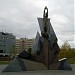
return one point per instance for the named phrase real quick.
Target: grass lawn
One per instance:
(72, 60)
(4, 62)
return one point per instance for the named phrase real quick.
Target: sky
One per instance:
(20, 18)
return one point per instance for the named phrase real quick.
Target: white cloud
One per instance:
(59, 19)
(20, 17)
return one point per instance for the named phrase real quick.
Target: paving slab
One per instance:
(42, 72)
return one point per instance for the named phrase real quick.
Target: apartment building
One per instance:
(7, 42)
(23, 44)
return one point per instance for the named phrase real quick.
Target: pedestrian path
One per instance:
(43, 72)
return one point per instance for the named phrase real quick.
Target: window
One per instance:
(1, 51)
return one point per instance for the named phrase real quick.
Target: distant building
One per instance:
(23, 44)
(18, 46)
(7, 43)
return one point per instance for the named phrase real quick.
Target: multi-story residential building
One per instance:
(7, 43)
(23, 44)
(18, 46)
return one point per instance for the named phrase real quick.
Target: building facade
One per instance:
(7, 43)
(23, 44)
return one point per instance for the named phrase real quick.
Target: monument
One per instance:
(44, 52)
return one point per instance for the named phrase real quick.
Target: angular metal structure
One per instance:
(44, 52)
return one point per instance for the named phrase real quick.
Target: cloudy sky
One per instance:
(20, 18)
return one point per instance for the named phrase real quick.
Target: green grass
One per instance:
(71, 61)
(4, 62)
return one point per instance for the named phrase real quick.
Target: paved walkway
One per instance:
(2, 67)
(44, 72)
(73, 66)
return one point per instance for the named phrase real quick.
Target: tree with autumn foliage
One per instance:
(66, 51)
